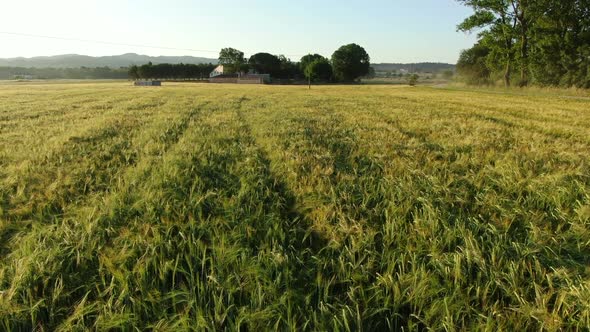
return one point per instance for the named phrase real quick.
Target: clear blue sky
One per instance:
(390, 30)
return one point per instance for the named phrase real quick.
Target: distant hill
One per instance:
(422, 67)
(115, 61)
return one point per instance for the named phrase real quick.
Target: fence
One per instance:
(148, 83)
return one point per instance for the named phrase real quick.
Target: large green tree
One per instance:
(309, 58)
(560, 52)
(319, 70)
(289, 69)
(497, 16)
(265, 63)
(350, 62)
(523, 10)
(547, 40)
(232, 59)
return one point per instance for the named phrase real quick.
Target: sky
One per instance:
(390, 30)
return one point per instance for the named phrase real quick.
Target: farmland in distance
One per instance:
(341, 208)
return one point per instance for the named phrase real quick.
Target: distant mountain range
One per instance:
(115, 61)
(126, 60)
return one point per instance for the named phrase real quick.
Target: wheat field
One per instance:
(270, 208)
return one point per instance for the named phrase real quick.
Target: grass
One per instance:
(341, 208)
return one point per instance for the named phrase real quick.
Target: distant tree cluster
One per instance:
(63, 73)
(545, 42)
(170, 71)
(348, 64)
(419, 67)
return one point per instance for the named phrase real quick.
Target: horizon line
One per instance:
(187, 56)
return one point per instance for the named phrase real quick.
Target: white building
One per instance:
(218, 75)
(217, 71)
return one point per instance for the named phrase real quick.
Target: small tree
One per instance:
(319, 70)
(307, 59)
(146, 71)
(412, 79)
(448, 74)
(371, 73)
(133, 72)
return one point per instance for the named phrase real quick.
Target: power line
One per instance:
(114, 43)
(102, 42)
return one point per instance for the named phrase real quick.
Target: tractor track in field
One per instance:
(76, 111)
(259, 203)
(446, 87)
(83, 270)
(491, 115)
(304, 244)
(67, 156)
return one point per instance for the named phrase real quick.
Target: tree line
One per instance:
(171, 71)
(63, 73)
(523, 42)
(347, 64)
